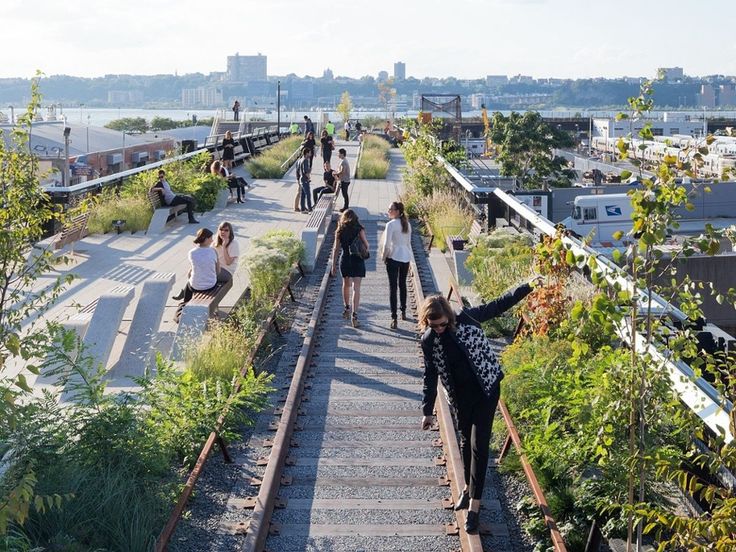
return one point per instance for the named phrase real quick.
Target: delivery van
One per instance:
(604, 215)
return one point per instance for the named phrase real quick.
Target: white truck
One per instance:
(603, 215)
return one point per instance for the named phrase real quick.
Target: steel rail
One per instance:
(512, 434)
(258, 527)
(214, 436)
(456, 475)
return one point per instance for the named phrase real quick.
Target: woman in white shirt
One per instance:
(226, 247)
(396, 253)
(204, 267)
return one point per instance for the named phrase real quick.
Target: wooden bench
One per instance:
(194, 317)
(161, 213)
(457, 242)
(314, 227)
(72, 231)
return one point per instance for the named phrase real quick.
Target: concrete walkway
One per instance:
(104, 262)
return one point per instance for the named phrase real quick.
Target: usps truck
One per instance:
(604, 215)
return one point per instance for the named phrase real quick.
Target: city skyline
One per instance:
(562, 39)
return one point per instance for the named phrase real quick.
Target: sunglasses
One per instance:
(440, 325)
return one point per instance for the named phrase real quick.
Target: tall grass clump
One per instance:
(107, 207)
(374, 160)
(269, 163)
(444, 215)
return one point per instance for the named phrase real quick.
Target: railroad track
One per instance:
(348, 467)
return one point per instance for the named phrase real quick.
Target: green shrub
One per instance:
(220, 353)
(444, 215)
(269, 163)
(107, 207)
(204, 188)
(374, 161)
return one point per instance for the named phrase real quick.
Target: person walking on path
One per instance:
(304, 178)
(330, 128)
(327, 144)
(236, 111)
(346, 127)
(171, 199)
(456, 349)
(329, 179)
(228, 150)
(308, 125)
(343, 174)
(352, 267)
(395, 250)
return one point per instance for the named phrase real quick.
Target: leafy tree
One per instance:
(166, 123)
(129, 124)
(345, 106)
(525, 143)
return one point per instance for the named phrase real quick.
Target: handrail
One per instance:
(290, 161)
(168, 530)
(697, 393)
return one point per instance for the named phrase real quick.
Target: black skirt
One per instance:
(352, 266)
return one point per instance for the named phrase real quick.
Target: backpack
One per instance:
(358, 248)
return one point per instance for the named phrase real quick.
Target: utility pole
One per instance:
(65, 179)
(278, 108)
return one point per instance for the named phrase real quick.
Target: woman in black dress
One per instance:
(457, 351)
(328, 145)
(352, 267)
(228, 150)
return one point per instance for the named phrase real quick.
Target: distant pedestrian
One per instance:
(309, 144)
(228, 150)
(329, 180)
(387, 128)
(171, 199)
(352, 267)
(330, 128)
(236, 111)
(294, 128)
(234, 182)
(343, 176)
(327, 144)
(346, 127)
(304, 178)
(308, 125)
(358, 127)
(456, 350)
(395, 251)
(226, 247)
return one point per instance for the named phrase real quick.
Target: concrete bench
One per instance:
(161, 213)
(79, 323)
(194, 317)
(316, 225)
(460, 255)
(136, 358)
(102, 331)
(457, 243)
(72, 231)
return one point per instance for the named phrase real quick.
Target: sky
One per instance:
(460, 38)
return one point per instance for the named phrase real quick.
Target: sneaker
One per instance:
(354, 320)
(346, 312)
(394, 324)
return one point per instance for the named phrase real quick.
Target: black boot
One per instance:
(179, 296)
(463, 502)
(471, 522)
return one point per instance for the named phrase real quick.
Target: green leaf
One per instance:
(21, 382)
(625, 175)
(616, 256)
(617, 235)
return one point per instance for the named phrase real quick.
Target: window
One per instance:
(657, 131)
(576, 213)
(589, 213)
(674, 130)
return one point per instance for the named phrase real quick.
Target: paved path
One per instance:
(102, 262)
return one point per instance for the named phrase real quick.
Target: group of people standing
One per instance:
(306, 198)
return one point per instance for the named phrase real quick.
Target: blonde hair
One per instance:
(434, 308)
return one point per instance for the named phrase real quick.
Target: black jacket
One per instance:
(472, 343)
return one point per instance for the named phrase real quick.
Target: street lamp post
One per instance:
(12, 114)
(278, 108)
(65, 179)
(122, 163)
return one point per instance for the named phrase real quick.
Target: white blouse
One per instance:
(233, 250)
(396, 244)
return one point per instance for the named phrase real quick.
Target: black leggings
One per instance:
(344, 189)
(474, 421)
(397, 272)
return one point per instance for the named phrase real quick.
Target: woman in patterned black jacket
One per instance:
(457, 351)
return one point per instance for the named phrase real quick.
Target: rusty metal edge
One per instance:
(163, 539)
(557, 541)
(468, 543)
(255, 539)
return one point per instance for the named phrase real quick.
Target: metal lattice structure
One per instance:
(444, 104)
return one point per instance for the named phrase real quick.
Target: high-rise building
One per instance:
(328, 74)
(205, 96)
(399, 71)
(246, 68)
(670, 73)
(496, 80)
(707, 96)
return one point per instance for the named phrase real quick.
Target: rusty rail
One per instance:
(165, 536)
(468, 543)
(513, 437)
(258, 528)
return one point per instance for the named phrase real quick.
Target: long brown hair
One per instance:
(348, 219)
(434, 308)
(218, 239)
(398, 206)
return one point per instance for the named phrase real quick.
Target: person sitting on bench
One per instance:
(233, 182)
(171, 199)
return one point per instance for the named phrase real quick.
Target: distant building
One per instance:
(522, 79)
(707, 96)
(726, 95)
(204, 96)
(496, 80)
(670, 125)
(670, 73)
(327, 74)
(383, 76)
(477, 100)
(246, 68)
(399, 71)
(124, 97)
